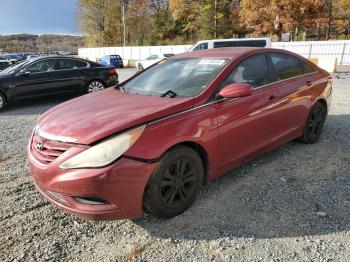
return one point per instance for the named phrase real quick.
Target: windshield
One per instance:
(185, 76)
(13, 68)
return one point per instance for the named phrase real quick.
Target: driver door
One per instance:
(37, 79)
(247, 125)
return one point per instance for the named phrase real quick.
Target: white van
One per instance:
(232, 42)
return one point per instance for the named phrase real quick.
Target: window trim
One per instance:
(87, 64)
(286, 55)
(254, 88)
(56, 70)
(38, 61)
(267, 55)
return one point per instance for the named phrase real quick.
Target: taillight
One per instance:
(112, 72)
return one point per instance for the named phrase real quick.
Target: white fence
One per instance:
(339, 49)
(131, 52)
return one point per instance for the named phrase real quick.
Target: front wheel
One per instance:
(94, 86)
(175, 184)
(314, 124)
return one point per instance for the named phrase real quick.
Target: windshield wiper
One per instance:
(121, 88)
(169, 93)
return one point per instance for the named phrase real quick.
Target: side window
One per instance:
(47, 65)
(254, 71)
(70, 64)
(285, 66)
(225, 44)
(201, 46)
(307, 69)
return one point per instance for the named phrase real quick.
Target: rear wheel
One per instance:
(2, 102)
(314, 124)
(175, 184)
(94, 86)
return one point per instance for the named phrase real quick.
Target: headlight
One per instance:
(105, 152)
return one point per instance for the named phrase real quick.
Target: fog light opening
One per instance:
(57, 196)
(91, 200)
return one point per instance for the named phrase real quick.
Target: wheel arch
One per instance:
(95, 78)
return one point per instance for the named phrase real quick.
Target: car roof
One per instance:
(230, 52)
(234, 40)
(225, 52)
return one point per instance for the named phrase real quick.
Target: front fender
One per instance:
(198, 125)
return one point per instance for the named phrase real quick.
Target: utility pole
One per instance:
(329, 22)
(124, 25)
(215, 19)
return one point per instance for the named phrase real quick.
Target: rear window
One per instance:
(117, 57)
(248, 43)
(285, 66)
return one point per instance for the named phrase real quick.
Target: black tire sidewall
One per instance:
(4, 102)
(152, 200)
(307, 137)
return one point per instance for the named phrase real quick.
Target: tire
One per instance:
(175, 184)
(3, 102)
(314, 124)
(95, 85)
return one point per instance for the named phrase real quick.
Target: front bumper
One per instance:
(121, 185)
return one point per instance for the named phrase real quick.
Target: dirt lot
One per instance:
(292, 204)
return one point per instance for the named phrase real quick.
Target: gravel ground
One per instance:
(292, 204)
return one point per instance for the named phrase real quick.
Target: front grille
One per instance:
(47, 151)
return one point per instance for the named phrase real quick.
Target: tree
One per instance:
(139, 22)
(187, 18)
(100, 21)
(341, 17)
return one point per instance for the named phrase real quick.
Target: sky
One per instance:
(38, 17)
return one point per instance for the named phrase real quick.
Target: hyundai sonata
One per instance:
(153, 140)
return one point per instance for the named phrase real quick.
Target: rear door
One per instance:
(71, 75)
(39, 80)
(250, 124)
(294, 87)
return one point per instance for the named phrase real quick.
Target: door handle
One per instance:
(308, 83)
(272, 97)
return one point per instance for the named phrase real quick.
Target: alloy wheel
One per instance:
(95, 86)
(316, 121)
(178, 183)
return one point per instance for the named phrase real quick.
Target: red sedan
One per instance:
(153, 140)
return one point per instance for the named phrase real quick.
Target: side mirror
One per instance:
(24, 73)
(236, 90)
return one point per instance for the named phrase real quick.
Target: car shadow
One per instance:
(296, 190)
(34, 106)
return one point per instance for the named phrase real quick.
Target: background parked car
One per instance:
(50, 76)
(4, 63)
(151, 60)
(232, 42)
(13, 58)
(114, 60)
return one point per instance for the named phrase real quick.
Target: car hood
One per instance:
(92, 117)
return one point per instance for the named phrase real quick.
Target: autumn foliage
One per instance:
(186, 21)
